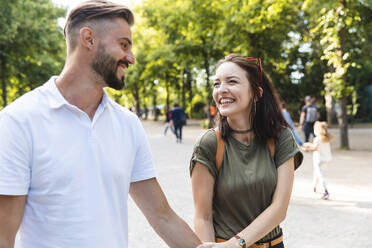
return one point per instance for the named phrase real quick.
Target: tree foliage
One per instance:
(308, 47)
(31, 45)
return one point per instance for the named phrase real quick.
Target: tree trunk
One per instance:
(167, 89)
(342, 122)
(137, 101)
(328, 106)
(189, 87)
(4, 83)
(183, 88)
(208, 89)
(206, 66)
(154, 103)
(342, 113)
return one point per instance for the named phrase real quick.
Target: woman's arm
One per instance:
(274, 214)
(202, 188)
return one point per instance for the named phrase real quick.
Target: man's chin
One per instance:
(116, 84)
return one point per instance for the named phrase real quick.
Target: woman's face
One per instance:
(231, 90)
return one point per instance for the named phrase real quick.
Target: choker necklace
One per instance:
(241, 131)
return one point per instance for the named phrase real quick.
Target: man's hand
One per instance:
(216, 245)
(149, 197)
(207, 245)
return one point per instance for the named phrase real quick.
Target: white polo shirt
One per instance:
(75, 172)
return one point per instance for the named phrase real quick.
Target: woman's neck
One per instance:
(241, 130)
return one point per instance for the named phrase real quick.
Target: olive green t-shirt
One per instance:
(246, 181)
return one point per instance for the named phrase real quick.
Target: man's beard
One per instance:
(106, 66)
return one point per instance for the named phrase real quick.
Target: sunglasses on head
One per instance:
(259, 64)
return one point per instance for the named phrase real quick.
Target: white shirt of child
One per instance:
(76, 172)
(323, 154)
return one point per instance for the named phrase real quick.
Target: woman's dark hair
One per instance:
(265, 113)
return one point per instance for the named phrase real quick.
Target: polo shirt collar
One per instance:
(55, 97)
(56, 100)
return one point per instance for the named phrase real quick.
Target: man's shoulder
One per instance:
(122, 111)
(26, 105)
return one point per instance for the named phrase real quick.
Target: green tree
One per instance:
(336, 24)
(31, 45)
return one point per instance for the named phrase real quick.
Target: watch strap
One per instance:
(241, 241)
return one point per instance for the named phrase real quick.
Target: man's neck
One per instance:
(79, 87)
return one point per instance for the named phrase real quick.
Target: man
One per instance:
(178, 118)
(309, 115)
(69, 155)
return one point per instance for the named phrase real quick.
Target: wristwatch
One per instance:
(241, 241)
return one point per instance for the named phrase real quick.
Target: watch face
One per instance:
(241, 242)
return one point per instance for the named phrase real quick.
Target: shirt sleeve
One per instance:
(15, 157)
(286, 148)
(303, 109)
(205, 153)
(143, 164)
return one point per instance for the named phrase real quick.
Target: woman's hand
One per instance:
(209, 245)
(216, 245)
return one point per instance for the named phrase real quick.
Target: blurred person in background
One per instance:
(309, 115)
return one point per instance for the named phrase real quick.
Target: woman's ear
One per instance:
(260, 92)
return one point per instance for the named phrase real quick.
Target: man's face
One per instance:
(114, 54)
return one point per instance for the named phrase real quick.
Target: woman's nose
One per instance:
(223, 87)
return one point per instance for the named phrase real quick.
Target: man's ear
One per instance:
(87, 38)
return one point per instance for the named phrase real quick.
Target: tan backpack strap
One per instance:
(220, 149)
(271, 145)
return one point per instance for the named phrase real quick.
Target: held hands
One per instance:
(216, 245)
(308, 147)
(208, 245)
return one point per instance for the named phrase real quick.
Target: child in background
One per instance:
(321, 149)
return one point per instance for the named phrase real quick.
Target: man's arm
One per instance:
(11, 214)
(150, 198)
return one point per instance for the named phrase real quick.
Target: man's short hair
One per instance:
(89, 12)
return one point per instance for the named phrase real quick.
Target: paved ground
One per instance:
(345, 220)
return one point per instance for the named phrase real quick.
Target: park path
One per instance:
(345, 220)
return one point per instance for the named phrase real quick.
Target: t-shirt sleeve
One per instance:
(15, 157)
(205, 153)
(143, 167)
(286, 148)
(303, 109)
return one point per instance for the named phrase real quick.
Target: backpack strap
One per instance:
(220, 149)
(271, 145)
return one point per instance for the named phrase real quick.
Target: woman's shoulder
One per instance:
(207, 139)
(284, 133)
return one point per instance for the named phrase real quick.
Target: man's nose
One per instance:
(130, 58)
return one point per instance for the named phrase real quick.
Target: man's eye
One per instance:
(232, 81)
(124, 45)
(216, 84)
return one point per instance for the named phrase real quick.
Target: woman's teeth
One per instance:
(223, 101)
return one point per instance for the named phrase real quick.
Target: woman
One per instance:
(243, 202)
